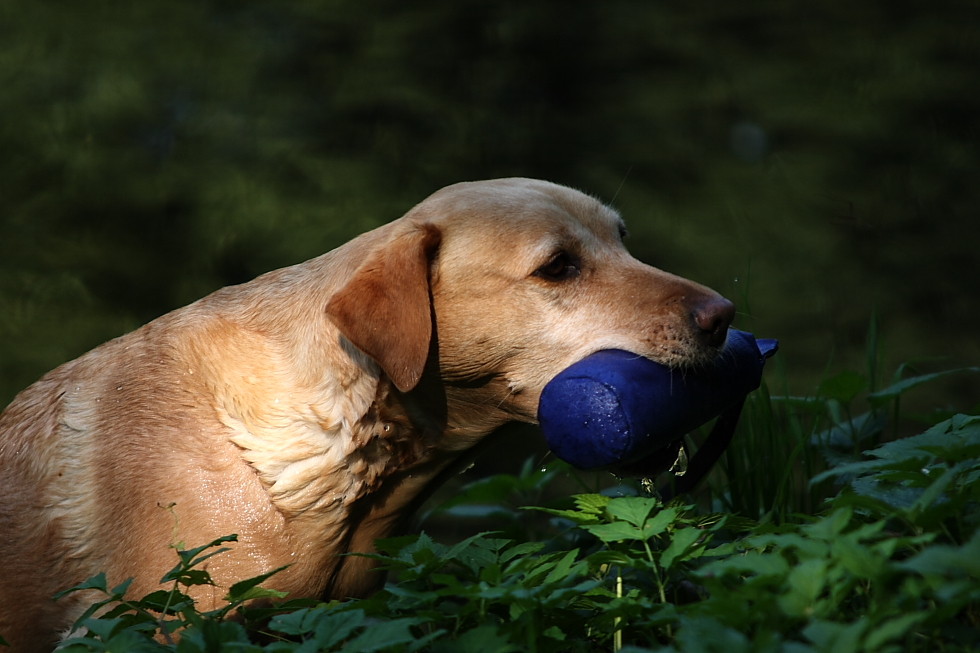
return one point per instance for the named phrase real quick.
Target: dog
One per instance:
(307, 411)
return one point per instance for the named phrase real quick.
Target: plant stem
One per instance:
(618, 633)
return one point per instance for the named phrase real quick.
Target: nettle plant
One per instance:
(849, 550)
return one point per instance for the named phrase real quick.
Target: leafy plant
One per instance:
(124, 624)
(886, 560)
(784, 441)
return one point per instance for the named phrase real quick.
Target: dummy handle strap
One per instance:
(707, 455)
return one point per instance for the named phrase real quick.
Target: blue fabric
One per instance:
(614, 407)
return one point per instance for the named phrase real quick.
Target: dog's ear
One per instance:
(385, 309)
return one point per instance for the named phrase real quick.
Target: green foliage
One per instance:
(786, 440)
(867, 573)
(125, 624)
(888, 559)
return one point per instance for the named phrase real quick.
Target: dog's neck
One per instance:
(341, 454)
(321, 458)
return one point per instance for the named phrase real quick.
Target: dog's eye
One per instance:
(562, 266)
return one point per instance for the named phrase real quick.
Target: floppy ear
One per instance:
(385, 309)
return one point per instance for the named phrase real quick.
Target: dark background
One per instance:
(816, 162)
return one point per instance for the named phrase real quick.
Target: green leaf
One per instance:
(955, 439)
(593, 504)
(297, 622)
(589, 509)
(80, 645)
(633, 510)
(619, 531)
(555, 633)
(844, 387)
(193, 556)
(807, 546)
(482, 639)
(327, 629)
(751, 563)
(480, 541)
(827, 528)
(681, 541)
(133, 641)
(575, 516)
(901, 387)
(892, 629)
(215, 635)
(847, 435)
(166, 601)
(935, 491)
(563, 567)
(249, 589)
(635, 525)
(660, 522)
(708, 635)
(895, 497)
(836, 637)
(948, 561)
(606, 557)
(189, 577)
(383, 635)
(97, 582)
(859, 559)
(520, 550)
(803, 586)
(257, 593)
(103, 628)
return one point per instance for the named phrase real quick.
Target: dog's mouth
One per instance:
(686, 352)
(689, 360)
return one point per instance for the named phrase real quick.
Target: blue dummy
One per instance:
(623, 412)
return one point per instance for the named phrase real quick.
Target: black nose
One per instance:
(712, 317)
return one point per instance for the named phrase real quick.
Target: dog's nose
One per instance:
(713, 316)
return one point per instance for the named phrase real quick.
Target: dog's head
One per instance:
(496, 286)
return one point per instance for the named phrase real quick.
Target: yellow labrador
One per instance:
(307, 409)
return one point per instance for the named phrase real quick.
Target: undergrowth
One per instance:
(820, 532)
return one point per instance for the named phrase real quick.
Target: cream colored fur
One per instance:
(308, 409)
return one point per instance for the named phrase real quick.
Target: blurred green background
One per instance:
(816, 162)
